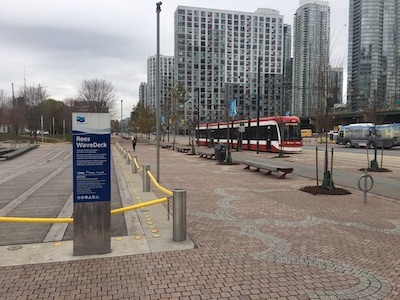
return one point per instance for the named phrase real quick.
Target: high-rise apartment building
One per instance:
(143, 93)
(374, 54)
(217, 55)
(335, 86)
(166, 80)
(310, 58)
(287, 69)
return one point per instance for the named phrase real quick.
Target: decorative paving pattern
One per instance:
(257, 238)
(370, 284)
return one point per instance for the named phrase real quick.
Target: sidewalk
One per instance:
(256, 237)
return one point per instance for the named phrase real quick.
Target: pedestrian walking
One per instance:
(134, 143)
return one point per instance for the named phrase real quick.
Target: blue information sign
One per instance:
(232, 108)
(91, 157)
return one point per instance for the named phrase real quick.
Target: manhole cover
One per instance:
(13, 248)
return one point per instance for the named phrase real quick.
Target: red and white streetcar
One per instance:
(274, 134)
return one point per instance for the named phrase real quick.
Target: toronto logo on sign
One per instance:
(80, 119)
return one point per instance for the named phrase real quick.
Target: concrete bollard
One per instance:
(146, 178)
(128, 161)
(134, 168)
(179, 215)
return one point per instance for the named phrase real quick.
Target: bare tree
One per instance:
(31, 105)
(3, 102)
(97, 95)
(175, 103)
(142, 120)
(68, 109)
(6, 112)
(18, 120)
(54, 113)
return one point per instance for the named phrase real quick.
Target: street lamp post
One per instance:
(198, 117)
(228, 115)
(258, 104)
(120, 123)
(158, 10)
(228, 150)
(282, 133)
(192, 130)
(53, 129)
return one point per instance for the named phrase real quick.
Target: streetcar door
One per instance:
(269, 136)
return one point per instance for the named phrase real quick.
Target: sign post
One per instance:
(92, 184)
(241, 130)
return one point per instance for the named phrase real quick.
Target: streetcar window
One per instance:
(263, 132)
(291, 132)
(201, 133)
(271, 133)
(233, 133)
(211, 134)
(252, 133)
(222, 133)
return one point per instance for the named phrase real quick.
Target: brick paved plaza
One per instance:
(256, 237)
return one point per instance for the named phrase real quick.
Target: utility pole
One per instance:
(258, 105)
(193, 128)
(41, 128)
(198, 117)
(158, 10)
(53, 129)
(15, 113)
(120, 124)
(228, 148)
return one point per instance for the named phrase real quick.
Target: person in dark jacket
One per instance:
(134, 143)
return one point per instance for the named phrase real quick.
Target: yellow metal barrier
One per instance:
(70, 220)
(168, 192)
(136, 206)
(35, 220)
(136, 164)
(113, 212)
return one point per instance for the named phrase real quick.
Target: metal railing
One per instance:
(14, 144)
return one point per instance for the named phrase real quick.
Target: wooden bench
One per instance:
(206, 154)
(183, 149)
(267, 167)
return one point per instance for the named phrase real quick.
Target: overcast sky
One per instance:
(59, 43)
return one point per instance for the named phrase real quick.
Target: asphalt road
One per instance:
(348, 166)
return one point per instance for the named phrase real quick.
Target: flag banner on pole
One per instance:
(232, 108)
